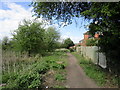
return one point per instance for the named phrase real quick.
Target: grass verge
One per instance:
(101, 77)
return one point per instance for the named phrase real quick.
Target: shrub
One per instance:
(91, 42)
(25, 80)
(71, 49)
(62, 50)
(29, 78)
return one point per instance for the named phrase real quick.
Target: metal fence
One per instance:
(92, 53)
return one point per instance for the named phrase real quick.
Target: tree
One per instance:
(29, 37)
(92, 42)
(60, 11)
(51, 38)
(6, 43)
(68, 43)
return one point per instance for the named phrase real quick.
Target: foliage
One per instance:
(62, 50)
(65, 11)
(72, 49)
(68, 43)
(32, 75)
(91, 42)
(6, 43)
(54, 61)
(16, 61)
(29, 37)
(60, 11)
(18, 66)
(33, 38)
(59, 77)
(95, 72)
(51, 38)
(30, 78)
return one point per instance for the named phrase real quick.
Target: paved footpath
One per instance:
(76, 77)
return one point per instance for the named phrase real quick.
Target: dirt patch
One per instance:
(49, 80)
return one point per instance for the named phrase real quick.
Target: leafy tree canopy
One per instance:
(6, 43)
(33, 38)
(91, 42)
(60, 11)
(51, 38)
(29, 37)
(68, 43)
(106, 13)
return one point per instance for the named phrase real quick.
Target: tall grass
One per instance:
(15, 62)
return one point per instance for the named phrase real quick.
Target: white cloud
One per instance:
(10, 18)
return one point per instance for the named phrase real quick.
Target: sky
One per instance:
(12, 14)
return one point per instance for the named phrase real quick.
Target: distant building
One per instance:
(87, 36)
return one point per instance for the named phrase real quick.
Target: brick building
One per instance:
(87, 36)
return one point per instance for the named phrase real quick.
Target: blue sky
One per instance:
(12, 13)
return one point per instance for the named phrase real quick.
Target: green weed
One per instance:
(59, 77)
(31, 75)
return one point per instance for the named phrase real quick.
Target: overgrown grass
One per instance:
(32, 74)
(96, 73)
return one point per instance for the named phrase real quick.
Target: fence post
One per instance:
(98, 56)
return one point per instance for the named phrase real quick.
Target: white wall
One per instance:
(92, 53)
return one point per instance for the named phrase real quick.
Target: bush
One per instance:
(41, 67)
(91, 42)
(25, 80)
(29, 78)
(71, 49)
(62, 50)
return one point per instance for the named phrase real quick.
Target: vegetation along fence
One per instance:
(92, 53)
